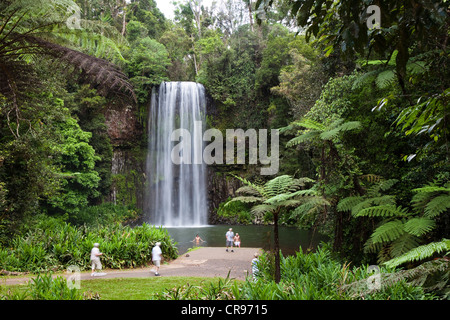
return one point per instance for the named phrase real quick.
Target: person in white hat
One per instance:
(95, 258)
(156, 257)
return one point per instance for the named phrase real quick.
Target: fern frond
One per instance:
(382, 211)
(309, 135)
(348, 203)
(387, 184)
(247, 190)
(375, 201)
(432, 188)
(388, 232)
(385, 79)
(419, 226)
(262, 209)
(437, 206)
(372, 178)
(364, 79)
(244, 199)
(281, 184)
(310, 124)
(403, 244)
(420, 253)
(258, 188)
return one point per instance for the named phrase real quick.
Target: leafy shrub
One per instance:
(55, 245)
(45, 287)
(235, 210)
(317, 276)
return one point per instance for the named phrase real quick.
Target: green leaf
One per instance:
(419, 226)
(388, 231)
(420, 253)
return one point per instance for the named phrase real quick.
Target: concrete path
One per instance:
(202, 262)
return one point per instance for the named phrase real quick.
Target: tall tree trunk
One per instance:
(276, 247)
(250, 13)
(124, 18)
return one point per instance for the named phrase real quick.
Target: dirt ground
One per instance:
(203, 262)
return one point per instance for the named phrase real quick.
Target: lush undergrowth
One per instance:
(307, 276)
(52, 244)
(44, 287)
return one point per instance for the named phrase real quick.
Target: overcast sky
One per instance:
(167, 8)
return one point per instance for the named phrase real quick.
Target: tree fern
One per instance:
(30, 28)
(421, 253)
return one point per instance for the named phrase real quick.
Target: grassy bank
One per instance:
(128, 288)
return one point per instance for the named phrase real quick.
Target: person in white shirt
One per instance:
(255, 266)
(156, 257)
(95, 258)
(229, 239)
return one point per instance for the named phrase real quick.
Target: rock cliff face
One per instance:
(124, 129)
(128, 160)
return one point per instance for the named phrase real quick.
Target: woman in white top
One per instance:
(156, 257)
(95, 258)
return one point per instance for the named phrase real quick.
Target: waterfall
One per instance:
(176, 192)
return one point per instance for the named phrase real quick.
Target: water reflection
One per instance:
(291, 239)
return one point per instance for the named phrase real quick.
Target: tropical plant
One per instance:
(398, 237)
(52, 244)
(320, 135)
(45, 287)
(319, 276)
(269, 200)
(29, 29)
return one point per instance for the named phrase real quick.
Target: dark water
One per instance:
(291, 239)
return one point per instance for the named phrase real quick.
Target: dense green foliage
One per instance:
(358, 107)
(51, 244)
(322, 277)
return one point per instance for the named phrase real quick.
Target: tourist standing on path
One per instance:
(95, 258)
(156, 257)
(229, 239)
(255, 266)
(237, 240)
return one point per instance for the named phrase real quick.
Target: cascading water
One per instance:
(176, 192)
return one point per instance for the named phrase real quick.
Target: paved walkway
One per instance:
(203, 262)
